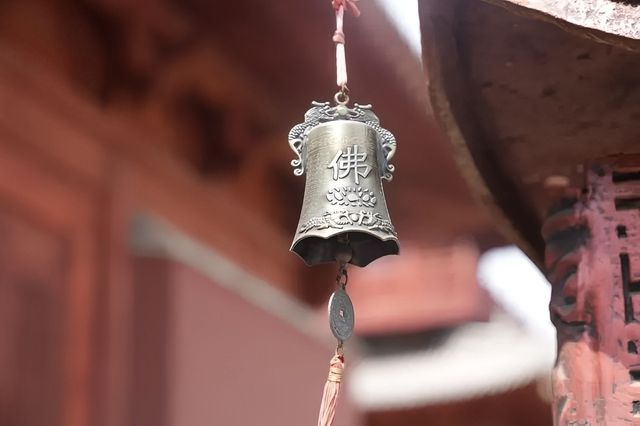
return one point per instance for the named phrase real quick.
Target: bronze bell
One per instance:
(345, 155)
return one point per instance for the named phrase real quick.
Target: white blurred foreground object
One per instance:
(404, 15)
(520, 288)
(514, 348)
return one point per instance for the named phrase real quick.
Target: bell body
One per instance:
(344, 208)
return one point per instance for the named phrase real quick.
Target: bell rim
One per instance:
(346, 231)
(390, 238)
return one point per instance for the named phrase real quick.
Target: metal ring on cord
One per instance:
(341, 97)
(343, 277)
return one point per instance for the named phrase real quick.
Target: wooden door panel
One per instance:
(33, 270)
(48, 276)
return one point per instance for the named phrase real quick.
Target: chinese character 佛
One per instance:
(348, 160)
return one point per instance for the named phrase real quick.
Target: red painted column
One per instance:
(593, 263)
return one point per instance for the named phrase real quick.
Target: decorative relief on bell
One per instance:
(339, 219)
(322, 112)
(345, 155)
(352, 196)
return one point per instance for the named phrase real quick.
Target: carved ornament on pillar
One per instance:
(593, 262)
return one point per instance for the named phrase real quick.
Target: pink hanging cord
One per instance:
(338, 39)
(331, 390)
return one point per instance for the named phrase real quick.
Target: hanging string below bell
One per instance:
(341, 322)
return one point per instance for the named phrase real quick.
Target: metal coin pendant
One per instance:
(341, 316)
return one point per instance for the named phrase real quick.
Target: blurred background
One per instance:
(147, 206)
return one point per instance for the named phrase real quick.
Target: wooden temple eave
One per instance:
(523, 102)
(606, 21)
(448, 91)
(91, 154)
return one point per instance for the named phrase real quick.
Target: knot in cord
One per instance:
(346, 4)
(336, 369)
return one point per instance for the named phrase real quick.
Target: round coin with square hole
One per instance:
(341, 316)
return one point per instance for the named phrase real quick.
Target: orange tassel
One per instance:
(331, 391)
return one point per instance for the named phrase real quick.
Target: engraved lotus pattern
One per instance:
(351, 196)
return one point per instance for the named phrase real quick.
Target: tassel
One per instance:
(331, 390)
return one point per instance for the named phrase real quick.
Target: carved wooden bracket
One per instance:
(593, 263)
